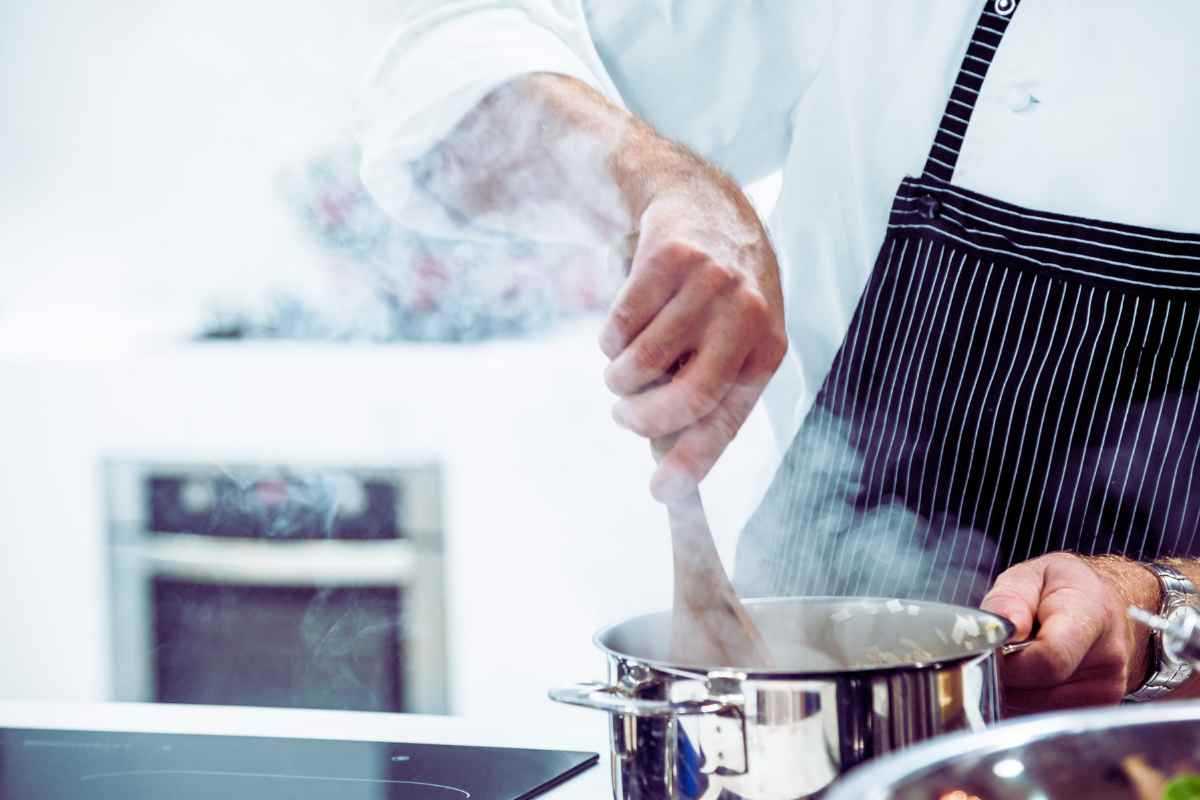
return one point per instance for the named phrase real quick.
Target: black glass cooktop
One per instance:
(64, 765)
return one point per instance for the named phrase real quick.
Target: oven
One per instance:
(293, 585)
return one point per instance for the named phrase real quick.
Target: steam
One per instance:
(823, 530)
(346, 641)
(344, 632)
(523, 164)
(510, 224)
(276, 502)
(383, 281)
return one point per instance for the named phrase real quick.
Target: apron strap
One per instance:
(993, 22)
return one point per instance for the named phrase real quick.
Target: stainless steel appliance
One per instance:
(855, 678)
(300, 585)
(1099, 754)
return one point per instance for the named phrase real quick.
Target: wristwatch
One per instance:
(1166, 670)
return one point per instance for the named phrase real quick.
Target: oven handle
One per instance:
(257, 562)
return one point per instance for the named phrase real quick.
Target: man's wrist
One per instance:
(650, 169)
(1137, 586)
(646, 165)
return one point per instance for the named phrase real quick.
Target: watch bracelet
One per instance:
(1161, 678)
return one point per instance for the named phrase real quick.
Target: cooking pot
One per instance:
(1070, 754)
(850, 679)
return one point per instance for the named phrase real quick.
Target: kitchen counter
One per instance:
(589, 735)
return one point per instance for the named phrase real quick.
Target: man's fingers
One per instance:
(1063, 641)
(1016, 596)
(644, 294)
(1082, 652)
(659, 267)
(693, 452)
(1073, 621)
(692, 394)
(1077, 694)
(673, 332)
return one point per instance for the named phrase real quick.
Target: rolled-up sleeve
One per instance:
(723, 78)
(446, 55)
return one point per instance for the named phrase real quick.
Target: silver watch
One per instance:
(1167, 671)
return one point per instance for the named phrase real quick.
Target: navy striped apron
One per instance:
(1013, 382)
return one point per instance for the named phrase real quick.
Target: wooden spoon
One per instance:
(709, 624)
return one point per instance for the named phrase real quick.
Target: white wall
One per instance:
(551, 533)
(142, 139)
(139, 147)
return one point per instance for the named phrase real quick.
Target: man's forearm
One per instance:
(548, 157)
(535, 158)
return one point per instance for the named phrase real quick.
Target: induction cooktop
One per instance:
(67, 764)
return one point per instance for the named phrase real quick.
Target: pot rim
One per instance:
(781, 673)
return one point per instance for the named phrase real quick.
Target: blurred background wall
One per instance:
(140, 149)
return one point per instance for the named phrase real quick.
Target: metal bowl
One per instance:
(1073, 754)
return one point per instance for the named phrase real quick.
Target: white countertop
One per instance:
(589, 735)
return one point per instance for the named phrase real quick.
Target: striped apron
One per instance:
(1013, 382)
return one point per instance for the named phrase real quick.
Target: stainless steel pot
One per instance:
(1073, 754)
(853, 678)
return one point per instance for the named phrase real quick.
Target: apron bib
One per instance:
(1013, 383)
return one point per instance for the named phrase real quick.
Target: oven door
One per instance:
(340, 623)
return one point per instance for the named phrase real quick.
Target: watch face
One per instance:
(1182, 618)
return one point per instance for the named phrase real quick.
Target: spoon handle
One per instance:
(709, 622)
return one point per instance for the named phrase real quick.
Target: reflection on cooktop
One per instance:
(147, 782)
(36, 764)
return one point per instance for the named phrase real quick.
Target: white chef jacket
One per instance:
(1090, 109)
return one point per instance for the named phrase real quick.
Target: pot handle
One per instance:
(603, 697)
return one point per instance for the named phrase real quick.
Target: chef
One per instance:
(987, 245)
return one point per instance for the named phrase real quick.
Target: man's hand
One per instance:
(702, 296)
(545, 158)
(1087, 650)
